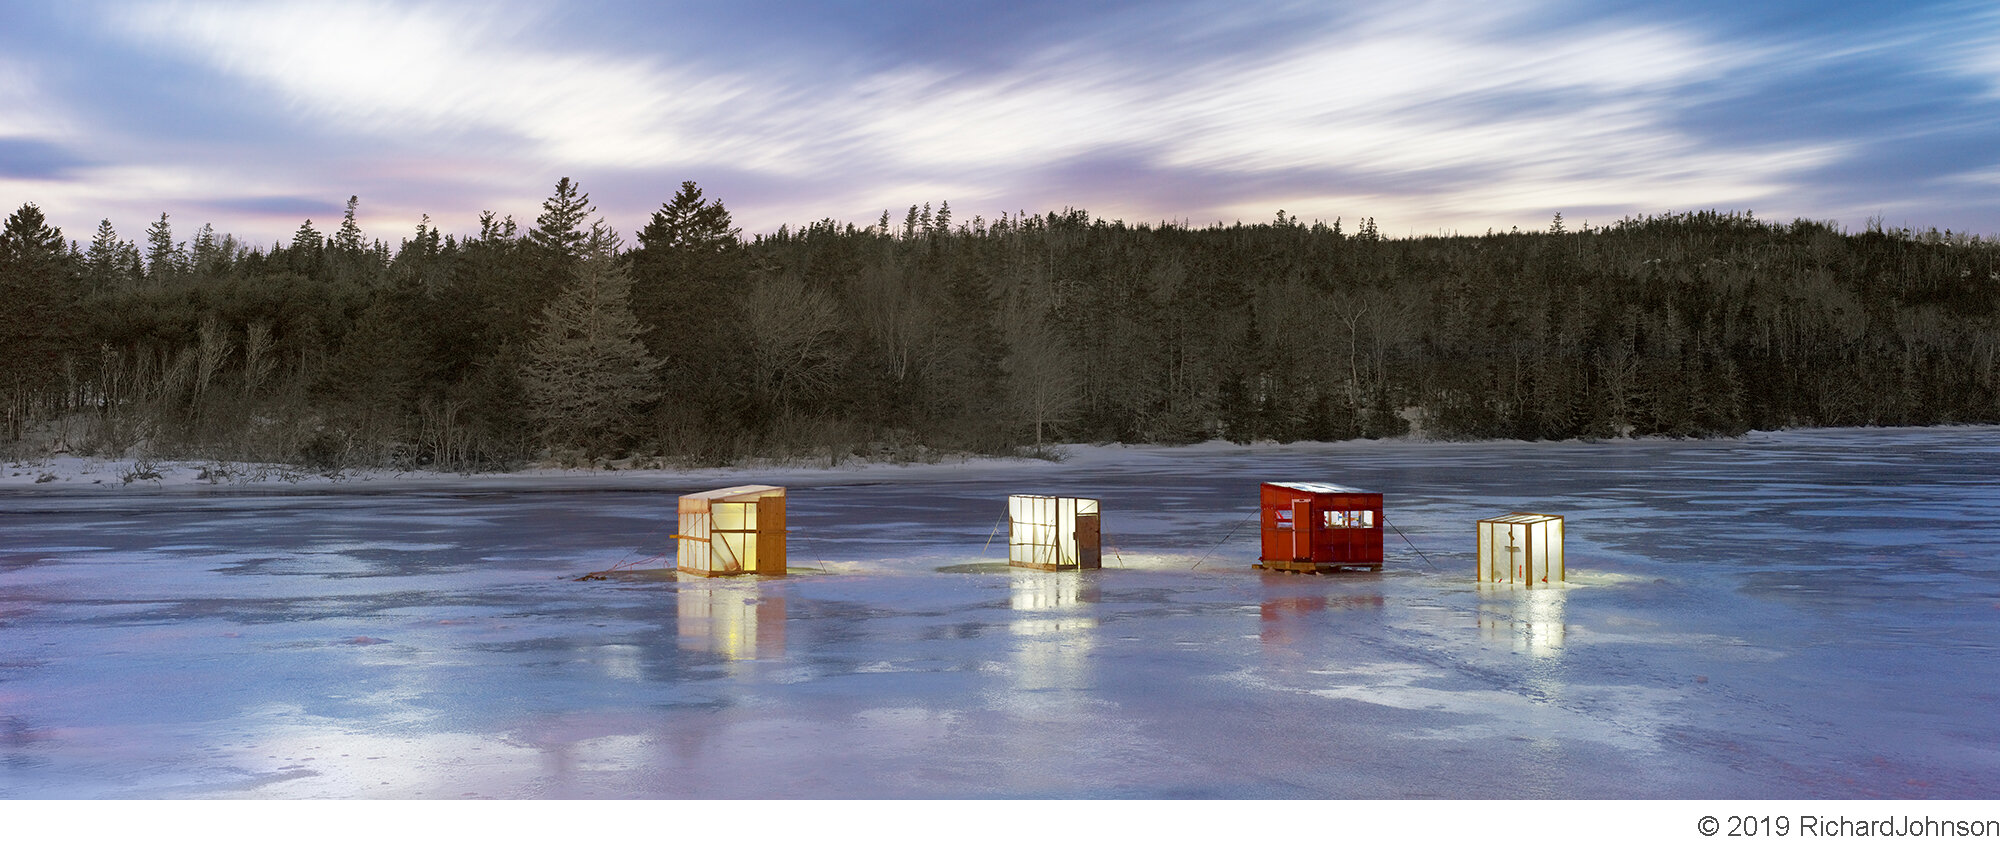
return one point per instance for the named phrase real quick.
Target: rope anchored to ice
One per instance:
(599, 575)
(1225, 538)
(1413, 547)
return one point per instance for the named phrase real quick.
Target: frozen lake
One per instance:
(1788, 615)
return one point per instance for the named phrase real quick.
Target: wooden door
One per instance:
(771, 536)
(1089, 540)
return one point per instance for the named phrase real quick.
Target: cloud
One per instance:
(28, 158)
(380, 69)
(299, 208)
(1427, 115)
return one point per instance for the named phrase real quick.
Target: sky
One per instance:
(1430, 117)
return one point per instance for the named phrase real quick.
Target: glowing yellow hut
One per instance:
(1521, 548)
(736, 530)
(1053, 533)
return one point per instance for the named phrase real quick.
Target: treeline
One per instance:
(693, 345)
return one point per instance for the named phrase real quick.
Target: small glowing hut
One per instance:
(1525, 548)
(1310, 526)
(1053, 533)
(735, 530)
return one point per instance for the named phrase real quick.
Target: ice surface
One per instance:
(1802, 614)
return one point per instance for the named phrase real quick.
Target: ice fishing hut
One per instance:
(1053, 533)
(1525, 548)
(1310, 526)
(729, 531)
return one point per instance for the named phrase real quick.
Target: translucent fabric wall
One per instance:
(1052, 532)
(1521, 548)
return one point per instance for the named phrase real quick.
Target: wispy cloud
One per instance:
(1427, 116)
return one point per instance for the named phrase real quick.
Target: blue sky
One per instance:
(1428, 116)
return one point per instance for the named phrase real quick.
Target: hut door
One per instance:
(1302, 531)
(1087, 539)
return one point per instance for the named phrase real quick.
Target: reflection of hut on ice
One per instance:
(733, 530)
(1309, 527)
(1525, 548)
(731, 619)
(1533, 621)
(1053, 533)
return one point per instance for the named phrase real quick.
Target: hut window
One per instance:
(1348, 519)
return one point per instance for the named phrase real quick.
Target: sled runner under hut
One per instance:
(1310, 527)
(732, 531)
(1054, 533)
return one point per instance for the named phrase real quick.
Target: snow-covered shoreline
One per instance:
(70, 474)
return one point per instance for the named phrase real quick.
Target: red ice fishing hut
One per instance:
(1310, 526)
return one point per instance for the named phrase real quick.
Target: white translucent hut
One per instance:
(1053, 533)
(730, 531)
(1521, 549)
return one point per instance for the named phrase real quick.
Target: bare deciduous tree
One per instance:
(792, 342)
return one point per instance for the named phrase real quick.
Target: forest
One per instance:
(930, 335)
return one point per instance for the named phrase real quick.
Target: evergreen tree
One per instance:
(587, 372)
(29, 245)
(559, 229)
(211, 257)
(689, 224)
(164, 259)
(348, 239)
(688, 278)
(103, 268)
(37, 316)
(308, 238)
(306, 255)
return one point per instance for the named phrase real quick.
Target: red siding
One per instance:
(1314, 537)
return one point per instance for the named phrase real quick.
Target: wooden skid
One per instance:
(1310, 568)
(710, 574)
(1026, 565)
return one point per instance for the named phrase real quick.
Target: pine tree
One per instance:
(308, 238)
(210, 256)
(348, 239)
(587, 373)
(30, 244)
(102, 268)
(559, 228)
(164, 259)
(307, 250)
(37, 309)
(688, 224)
(687, 276)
